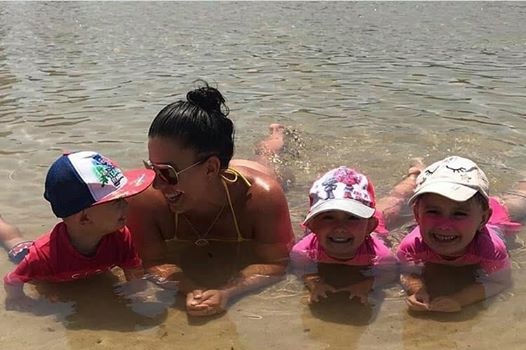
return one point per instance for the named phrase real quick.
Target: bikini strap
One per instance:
(224, 181)
(236, 174)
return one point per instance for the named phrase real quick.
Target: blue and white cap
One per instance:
(76, 181)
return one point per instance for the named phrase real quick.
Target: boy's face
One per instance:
(108, 217)
(340, 233)
(447, 226)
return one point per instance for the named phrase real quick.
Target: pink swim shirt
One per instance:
(486, 250)
(371, 253)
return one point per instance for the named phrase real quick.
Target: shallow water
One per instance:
(363, 84)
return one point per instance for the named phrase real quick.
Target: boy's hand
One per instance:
(40, 306)
(418, 301)
(162, 282)
(146, 298)
(131, 288)
(206, 302)
(445, 304)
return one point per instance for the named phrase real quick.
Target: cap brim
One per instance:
(348, 205)
(138, 180)
(453, 191)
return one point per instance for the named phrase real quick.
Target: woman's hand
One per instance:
(206, 302)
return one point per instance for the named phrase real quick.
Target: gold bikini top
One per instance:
(231, 176)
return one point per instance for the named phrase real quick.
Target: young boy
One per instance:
(459, 232)
(339, 224)
(88, 191)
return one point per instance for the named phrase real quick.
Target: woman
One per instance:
(221, 217)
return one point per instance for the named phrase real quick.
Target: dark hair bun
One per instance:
(207, 98)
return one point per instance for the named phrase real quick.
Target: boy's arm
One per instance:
(14, 290)
(14, 282)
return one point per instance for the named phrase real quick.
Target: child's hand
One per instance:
(146, 298)
(19, 303)
(418, 301)
(41, 307)
(206, 302)
(319, 289)
(142, 290)
(358, 290)
(162, 282)
(445, 304)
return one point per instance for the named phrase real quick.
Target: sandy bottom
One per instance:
(89, 314)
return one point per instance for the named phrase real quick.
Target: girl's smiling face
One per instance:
(340, 233)
(447, 226)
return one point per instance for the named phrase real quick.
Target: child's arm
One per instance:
(377, 276)
(14, 280)
(16, 299)
(317, 287)
(488, 285)
(14, 290)
(133, 273)
(418, 298)
(306, 268)
(360, 289)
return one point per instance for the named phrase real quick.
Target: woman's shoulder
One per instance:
(263, 184)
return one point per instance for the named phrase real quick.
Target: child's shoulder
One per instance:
(412, 240)
(56, 233)
(488, 242)
(306, 243)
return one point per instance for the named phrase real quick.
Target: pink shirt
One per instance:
(53, 258)
(486, 250)
(372, 252)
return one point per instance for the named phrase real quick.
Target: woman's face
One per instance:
(181, 176)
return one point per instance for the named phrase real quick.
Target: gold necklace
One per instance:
(201, 240)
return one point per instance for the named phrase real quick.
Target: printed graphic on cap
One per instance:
(355, 187)
(457, 166)
(105, 171)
